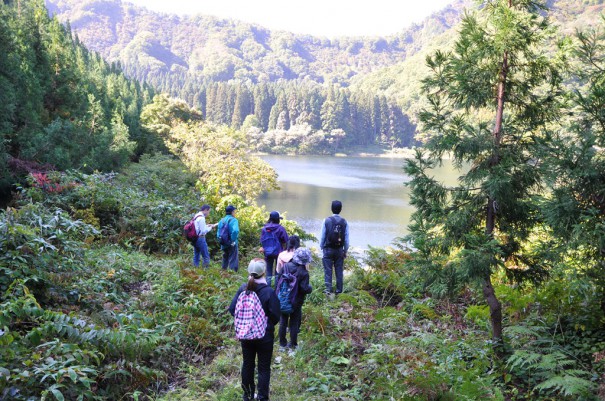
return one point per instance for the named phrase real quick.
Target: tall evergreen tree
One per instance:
(8, 93)
(295, 105)
(222, 104)
(315, 100)
(344, 111)
(576, 164)
(279, 117)
(243, 106)
(490, 102)
(263, 102)
(374, 110)
(383, 119)
(329, 111)
(211, 112)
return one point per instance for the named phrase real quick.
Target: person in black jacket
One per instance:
(262, 348)
(298, 267)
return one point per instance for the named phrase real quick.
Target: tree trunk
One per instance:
(495, 308)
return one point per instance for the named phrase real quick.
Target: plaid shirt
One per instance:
(250, 320)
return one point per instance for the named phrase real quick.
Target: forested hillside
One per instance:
(167, 48)
(402, 81)
(294, 85)
(303, 94)
(60, 104)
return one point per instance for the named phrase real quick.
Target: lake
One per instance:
(375, 199)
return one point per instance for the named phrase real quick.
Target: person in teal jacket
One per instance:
(230, 250)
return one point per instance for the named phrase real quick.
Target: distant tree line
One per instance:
(357, 118)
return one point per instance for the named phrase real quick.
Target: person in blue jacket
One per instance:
(261, 349)
(230, 251)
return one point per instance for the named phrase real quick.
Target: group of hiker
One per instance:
(257, 307)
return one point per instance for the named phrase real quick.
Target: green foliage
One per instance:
(482, 224)
(575, 211)
(123, 322)
(61, 104)
(478, 314)
(84, 314)
(145, 212)
(552, 373)
(213, 153)
(395, 275)
(554, 340)
(39, 246)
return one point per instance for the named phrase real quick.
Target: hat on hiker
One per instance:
(257, 267)
(229, 209)
(275, 216)
(302, 256)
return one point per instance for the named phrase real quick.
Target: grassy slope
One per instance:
(351, 348)
(162, 329)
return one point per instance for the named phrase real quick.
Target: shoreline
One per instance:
(399, 153)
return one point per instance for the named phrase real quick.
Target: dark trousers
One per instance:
(292, 322)
(263, 350)
(333, 258)
(230, 258)
(271, 262)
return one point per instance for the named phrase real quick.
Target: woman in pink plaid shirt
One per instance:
(261, 348)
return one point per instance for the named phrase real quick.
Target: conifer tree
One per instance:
(376, 120)
(576, 163)
(383, 119)
(490, 102)
(262, 105)
(8, 95)
(279, 118)
(222, 104)
(243, 106)
(344, 111)
(315, 101)
(329, 111)
(211, 107)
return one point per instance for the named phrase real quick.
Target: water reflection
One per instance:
(375, 199)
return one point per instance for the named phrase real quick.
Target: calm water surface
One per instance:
(375, 199)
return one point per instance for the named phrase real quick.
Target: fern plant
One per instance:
(552, 372)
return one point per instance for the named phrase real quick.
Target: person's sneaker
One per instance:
(282, 348)
(292, 352)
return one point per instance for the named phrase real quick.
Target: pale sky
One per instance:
(315, 17)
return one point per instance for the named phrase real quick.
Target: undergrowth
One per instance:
(99, 301)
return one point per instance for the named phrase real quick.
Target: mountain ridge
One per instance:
(218, 49)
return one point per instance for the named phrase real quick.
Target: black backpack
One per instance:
(335, 232)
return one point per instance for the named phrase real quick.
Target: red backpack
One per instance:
(189, 230)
